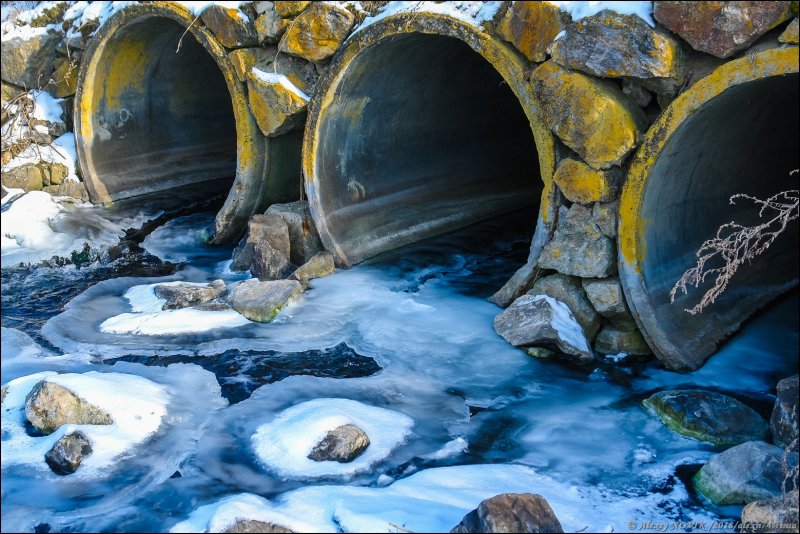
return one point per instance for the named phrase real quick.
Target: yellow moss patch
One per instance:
(594, 119)
(289, 9)
(276, 109)
(531, 27)
(318, 32)
(583, 184)
(789, 35)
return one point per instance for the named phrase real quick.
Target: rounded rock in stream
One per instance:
(511, 512)
(67, 454)
(184, 295)
(342, 444)
(243, 526)
(707, 416)
(48, 406)
(783, 422)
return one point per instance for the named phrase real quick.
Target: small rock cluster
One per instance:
(751, 471)
(49, 406)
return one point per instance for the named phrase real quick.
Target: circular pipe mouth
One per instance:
(158, 107)
(423, 124)
(733, 132)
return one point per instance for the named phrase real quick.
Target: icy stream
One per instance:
(402, 344)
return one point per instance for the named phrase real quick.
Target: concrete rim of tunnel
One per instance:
(249, 188)
(509, 63)
(631, 246)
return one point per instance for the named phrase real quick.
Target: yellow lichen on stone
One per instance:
(229, 26)
(65, 78)
(593, 118)
(789, 35)
(275, 107)
(318, 32)
(289, 9)
(531, 27)
(583, 184)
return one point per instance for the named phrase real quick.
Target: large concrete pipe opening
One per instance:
(159, 107)
(734, 132)
(416, 134)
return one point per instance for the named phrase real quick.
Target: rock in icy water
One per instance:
(263, 227)
(342, 444)
(48, 406)
(783, 423)
(67, 454)
(612, 340)
(319, 265)
(568, 290)
(305, 241)
(745, 473)
(607, 298)
(511, 512)
(707, 416)
(260, 301)
(185, 295)
(773, 515)
(541, 321)
(269, 263)
(243, 526)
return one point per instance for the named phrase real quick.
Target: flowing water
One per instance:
(404, 342)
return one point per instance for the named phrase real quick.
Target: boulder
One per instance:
(27, 177)
(592, 117)
(516, 285)
(707, 416)
(530, 27)
(48, 406)
(607, 298)
(288, 9)
(277, 106)
(567, 289)
(262, 227)
(68, 188)
(745, 473)
(269, 263)
(342, 444)
(321, 264)
(261, 301)
(612, 340)
(541, 321)
(246, 526)
(583, 184)
(611, 45)
(783, 422)
(270, 26)
(604, 215)
(305, 242)
(64, 79)
(511, 512)
(231, 27)
(268, 59)
(28, 62)
(773, 515)
(578, 248)
(789, 35)
(318, 32)
(720, 28)
(186, 295)
(68, 452)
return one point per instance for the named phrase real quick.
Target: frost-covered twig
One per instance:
(735, 244)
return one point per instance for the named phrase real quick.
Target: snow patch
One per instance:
(283, 445)
(565, 324)
(579, 10)
(275, 78)
(473, 13)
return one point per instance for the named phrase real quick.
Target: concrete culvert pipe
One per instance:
(735, 131)
(152, 115)
(423, 124)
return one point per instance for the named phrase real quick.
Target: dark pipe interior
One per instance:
(743, 141)
(422, 136)
(171, 122)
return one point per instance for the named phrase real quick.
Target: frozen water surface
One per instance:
(403, 346)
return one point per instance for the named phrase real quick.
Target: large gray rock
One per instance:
(269, 263)
(611, 45)
(607, 298)
(27, 177)
(260, 228)
(511, 512)
(68, 188)
(707, 416)
(185, 295)
(228, 25)
(578, 246)
(67, 454)
(247, 526)
(48, 406)
(29, 62)
(568, 290)
(270, 26)
(516, 285)
(604, 215)
(745, 473)
(541, 321)
(303, 235)
(773, 515)
(783, 423)
(321, 264)
(260, 301)
(721, 28)
(612, 340)
(342, 444)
